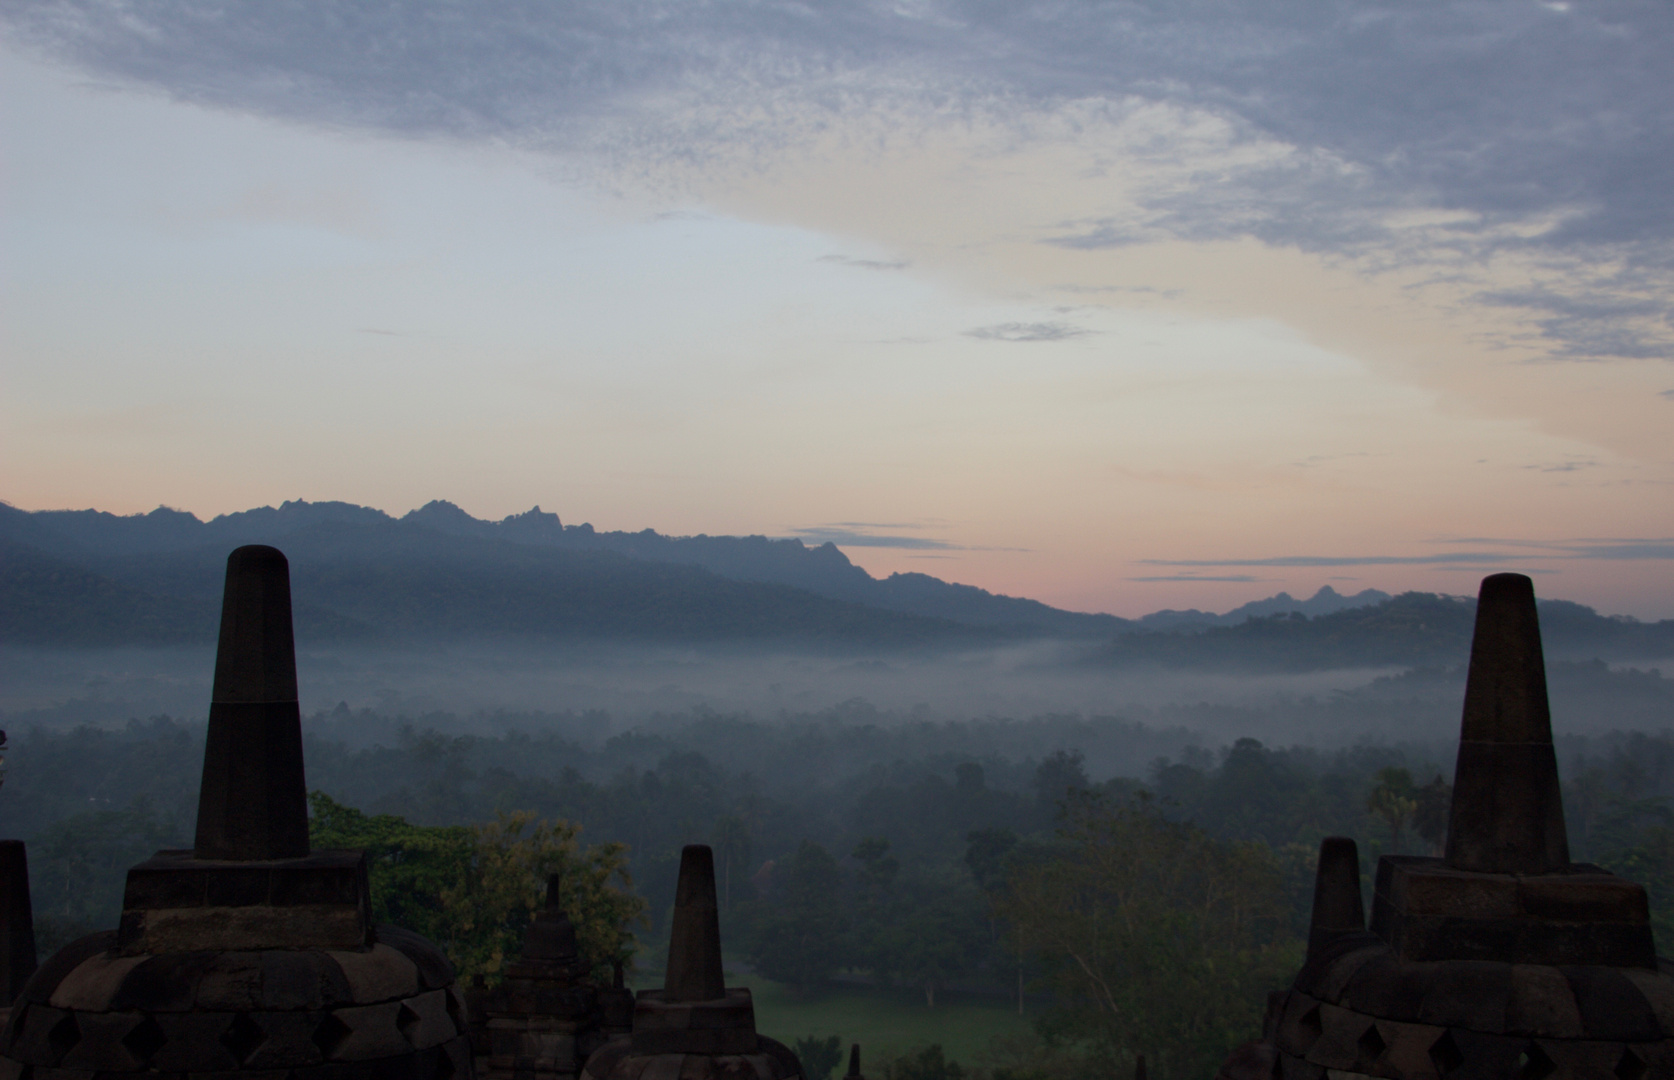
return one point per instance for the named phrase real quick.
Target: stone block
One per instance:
(1612, 1008)
(434, 970)
(100, 1047)
(1385, 988)
(302, 979)
(371, 1032)
(47, 977)
(231, 982)
(174, 902)
(1542, 1004)
(1338, 1046)
(167, 983)
(424, 1020)
(1408, 1051)
(380, 973)
(192, 1042)
(288, 1041)
(91, 985)
(1658, 990)
(1466, 994)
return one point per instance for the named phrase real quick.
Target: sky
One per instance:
(1119, 306)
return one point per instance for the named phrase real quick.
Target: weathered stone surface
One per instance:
(380, 973)
(93, 984)
(1542, 1004)
(1467, 994)
(175, 902)
(44, 982)
(1520, 963)
(253, 802)
(1611, 1005)
(694, 950)
(1507, 812)
(434, 970)
(1338, 908)
(221, 968)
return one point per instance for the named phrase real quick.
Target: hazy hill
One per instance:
(93, 578)
(1410, 630)
(823, 570)
(384, 580)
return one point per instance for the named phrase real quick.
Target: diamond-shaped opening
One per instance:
(144, 1040)
(1534, 1064)
(1445, 1054)
(1371, 1046)
(242, 1037)
(63, 1036)
(1309, 1028)
(444, 1064)
(408, 1021)
(331, 1035)
(455, 1012)
(1631, 1066)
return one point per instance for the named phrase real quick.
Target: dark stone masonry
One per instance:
(1502, 959)
(546, 1016)
(695, 1027)
(249, 955)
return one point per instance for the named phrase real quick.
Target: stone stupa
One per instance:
(249, 955)
(546, 1017)
(696, 1027)
(1502, 959)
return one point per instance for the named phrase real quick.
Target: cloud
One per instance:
(857, 535)
(865, 264)
(1035, 331)
(1195, 577)
(1632, 550)
(1347, 560)
(1432, 134)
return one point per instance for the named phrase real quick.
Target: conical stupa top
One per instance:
(1337, 905)
(253, 800)
(1507, 814)
(854, 1060)
(1139, 1068)
(694, 944)
(17, 923)
(551, 935)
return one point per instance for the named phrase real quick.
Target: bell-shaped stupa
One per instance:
(695, 1027)
(249, 955)
(1501, 959)
(546, 1016)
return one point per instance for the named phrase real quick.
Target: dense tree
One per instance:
(474, 889)
(1155, 937)
(797, 935)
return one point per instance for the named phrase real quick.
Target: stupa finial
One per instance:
(1507, 814)
(694, 944)
(253, 801)
(1337, 905)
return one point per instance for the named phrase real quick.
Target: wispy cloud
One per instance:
(1199, 577)
(1035, 331)
(1425, 135)
(865, 264)
(1619, 549)
(857, 535)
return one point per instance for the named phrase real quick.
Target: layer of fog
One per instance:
(491, 688)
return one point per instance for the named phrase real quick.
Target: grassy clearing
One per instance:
(885, 1023)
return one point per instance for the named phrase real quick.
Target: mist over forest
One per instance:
(881, 766)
